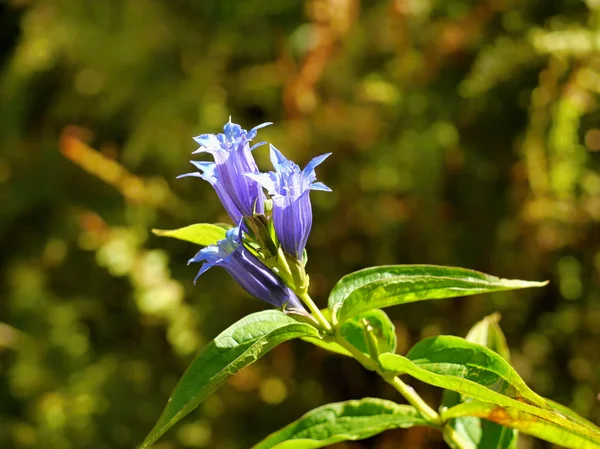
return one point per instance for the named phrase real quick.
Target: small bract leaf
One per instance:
(488, 333)
(382, 327)
(342, 421)
(384, 286)
(204, 234)
(353, 330)
(553, 432)
(240, 345)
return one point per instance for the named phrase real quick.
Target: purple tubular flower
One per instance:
(290, 187)
(247, 270)
(241, 196)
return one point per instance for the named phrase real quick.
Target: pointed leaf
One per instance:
(456, 357)
(488, 333)
(480, 433)
(240, 345)
(572, 416)
(342, 421)
(353, 330)
(385, 286)
(204, 234)
(476, 372)
(527, 423)
(497, 437)
(469, 429)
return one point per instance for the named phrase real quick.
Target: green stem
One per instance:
(407, 392)
(456, 438)
(414, 399)
(371, 363)
(362, 358)
(316, 312)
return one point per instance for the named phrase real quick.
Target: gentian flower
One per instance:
(290, 187)
(248, 271)
(241, 196)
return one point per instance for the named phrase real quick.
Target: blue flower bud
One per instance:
(241, 196)
(289, 188)
(248, 271)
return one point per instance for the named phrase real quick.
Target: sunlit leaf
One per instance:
(385, 286)
(527, 423)
(476, 372)
(572, 416)
(488, 333)
(342, 421)
(353, 330)
(480, 433)
(204, 234)
(455, 357)
(240, 345)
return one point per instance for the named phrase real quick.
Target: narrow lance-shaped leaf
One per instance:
(385, 286)
(342, 421)
(566, 411)
(240, 345)
(454, 356)
(474, 371)
(487, 333)
(488, 435)
(526, 423)
(480, 433)
(204, 234)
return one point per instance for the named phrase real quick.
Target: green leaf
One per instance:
(496, 436)
(342, 421)
(527, 423)
(240, 345)
(204, 234)
(477, 372)
(353, 330)
(483, 434)
(572, 416)
(488, 333)
(455, 357)
(385, 286)
(469, 429)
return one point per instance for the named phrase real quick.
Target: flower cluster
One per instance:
(274, 276)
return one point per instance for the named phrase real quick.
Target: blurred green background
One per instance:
(463, 132)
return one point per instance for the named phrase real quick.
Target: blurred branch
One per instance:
(152, 192)
(9, 337)
(539, 119)
(331, 22)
